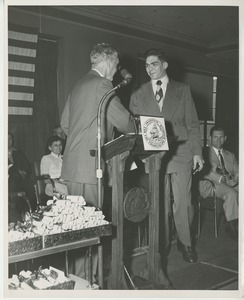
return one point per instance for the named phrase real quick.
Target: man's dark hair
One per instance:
(160, 53)
(52, 139)
(216, 128)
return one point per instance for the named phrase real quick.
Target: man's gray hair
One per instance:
(101, 52)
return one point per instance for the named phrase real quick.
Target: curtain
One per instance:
(45, 110)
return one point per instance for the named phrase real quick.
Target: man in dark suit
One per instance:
(222, 168)
(79, 122)
(172, 100)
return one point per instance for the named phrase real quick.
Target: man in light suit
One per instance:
(172, 100)
(79, 122)
(224, 172)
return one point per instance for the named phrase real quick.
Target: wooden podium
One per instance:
(117, 151)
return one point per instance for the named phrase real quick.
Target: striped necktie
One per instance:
(222, 163)
(159, 92)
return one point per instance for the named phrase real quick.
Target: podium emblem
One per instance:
(137, 204)
(154, 133)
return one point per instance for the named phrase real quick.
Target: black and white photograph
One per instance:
(92, 210)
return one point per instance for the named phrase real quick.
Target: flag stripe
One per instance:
(17, 73)
(22, 36)
(21, 81)
(19, 88)
(20, 96)
(22, 51)
(20, 111)
(20, 58)
(22, 45)
(21, 66)
(18, 103)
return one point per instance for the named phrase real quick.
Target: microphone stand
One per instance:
(99, 174)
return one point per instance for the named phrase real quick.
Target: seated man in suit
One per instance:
(222, 168)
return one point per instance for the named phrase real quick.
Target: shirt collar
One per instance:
(97, 72)
(217, 150)
(55, 155)
(164, 80)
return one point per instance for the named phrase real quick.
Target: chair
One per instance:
(40, 182)
(209, 203)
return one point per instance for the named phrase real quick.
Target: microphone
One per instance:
(127, 77)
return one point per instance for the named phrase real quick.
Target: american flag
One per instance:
(22, 48)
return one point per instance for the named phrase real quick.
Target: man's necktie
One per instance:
(159, 91)
(222, 163)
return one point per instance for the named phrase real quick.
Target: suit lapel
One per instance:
(171, 100)
(227, 160)
(226, 157)
(213, 155)
(214, 158)
(150, 101)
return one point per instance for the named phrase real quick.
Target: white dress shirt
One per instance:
(164, 84)
(217, 152)
(51, 164)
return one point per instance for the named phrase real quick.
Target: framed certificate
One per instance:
(153, 133)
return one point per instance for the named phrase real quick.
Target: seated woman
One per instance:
(59, 132)
(19, 172)
(51, 165)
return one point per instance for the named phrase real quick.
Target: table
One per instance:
(94, 233)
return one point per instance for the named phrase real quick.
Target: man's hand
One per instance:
(231, 182)
(197, 163)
